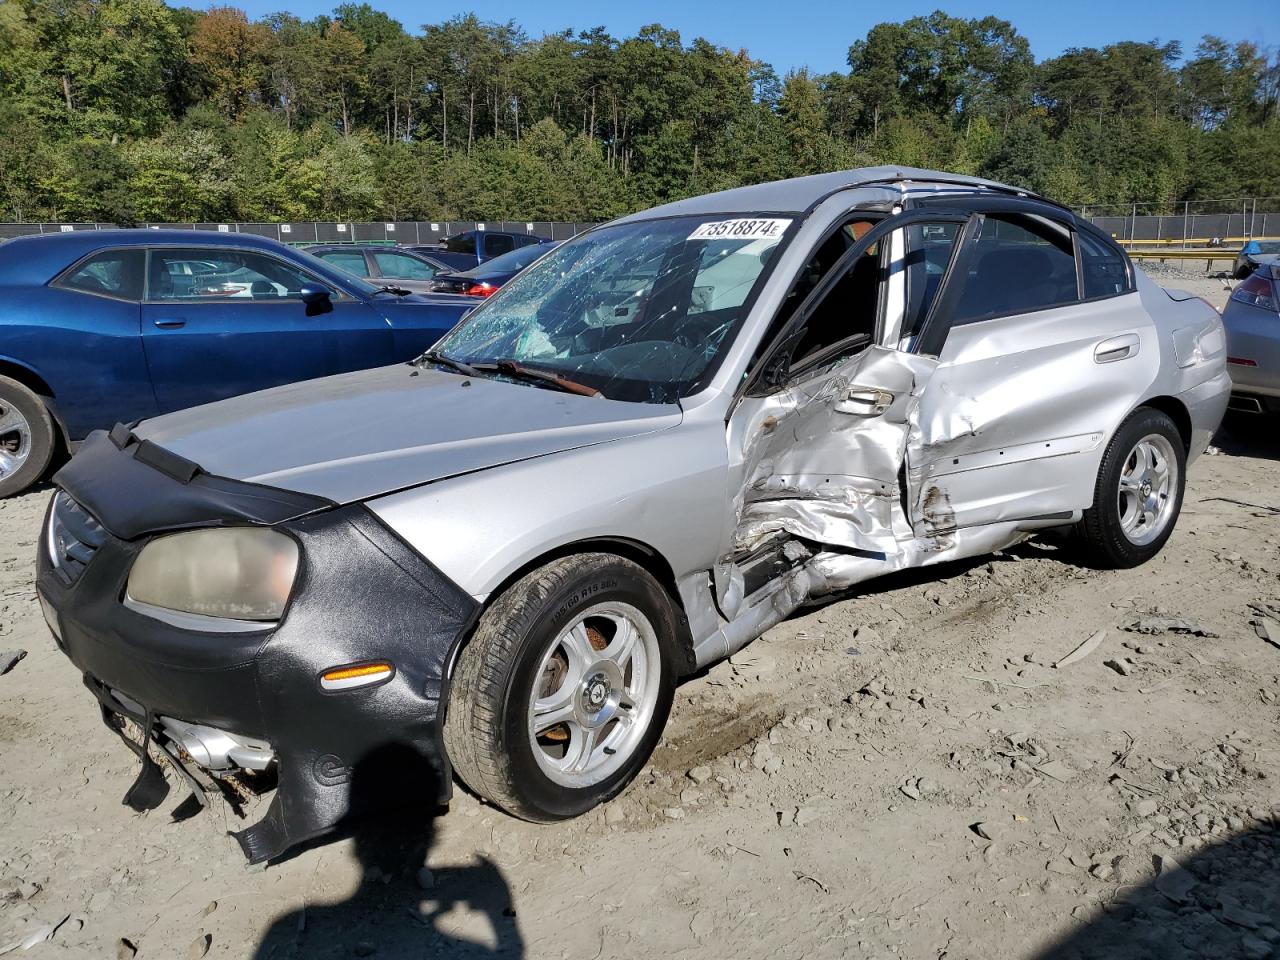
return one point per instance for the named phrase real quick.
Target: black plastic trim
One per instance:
(938, 321)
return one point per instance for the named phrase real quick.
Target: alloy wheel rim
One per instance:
(594, 695)
(15, 439)
(1147, 490)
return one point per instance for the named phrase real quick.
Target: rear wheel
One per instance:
(561, 695)
(26, 437)
(1138, 494)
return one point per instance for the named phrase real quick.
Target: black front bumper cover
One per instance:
(362, 594)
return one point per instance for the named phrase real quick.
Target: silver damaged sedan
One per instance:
(641, 454)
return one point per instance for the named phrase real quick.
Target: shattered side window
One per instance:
(823, 259)
(640, 311)
(846, 314)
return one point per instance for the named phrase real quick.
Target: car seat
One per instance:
(1010, 280)
(161, 282)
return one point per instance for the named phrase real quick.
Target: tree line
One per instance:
(132, 110)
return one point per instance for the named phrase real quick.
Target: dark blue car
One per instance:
(113, 326)
(486, 279)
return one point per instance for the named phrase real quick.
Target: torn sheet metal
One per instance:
(828, 471)
(825, 467)
(831, 572)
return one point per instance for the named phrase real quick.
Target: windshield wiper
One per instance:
(513, 368)
(432, 356)
(390, 288)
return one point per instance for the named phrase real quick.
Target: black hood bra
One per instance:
(135, 488)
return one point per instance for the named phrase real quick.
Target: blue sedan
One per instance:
(118, 325)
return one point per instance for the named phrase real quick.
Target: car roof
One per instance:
(500, 233)
(139, 235)
(38, 257)
(799, 194)
(375, 247)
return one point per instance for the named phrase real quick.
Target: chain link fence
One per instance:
(1190, 224)
(406, 233)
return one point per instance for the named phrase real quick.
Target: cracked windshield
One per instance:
(640, 311)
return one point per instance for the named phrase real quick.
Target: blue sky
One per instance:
(817, 35)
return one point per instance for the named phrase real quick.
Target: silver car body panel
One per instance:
(885, 461)
(358, 435)
(1253, 333)
(990, 456)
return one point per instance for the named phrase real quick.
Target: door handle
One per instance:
(1116, 348)
(169, 324)
(865, 403)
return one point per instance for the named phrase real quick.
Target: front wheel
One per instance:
(1138, 494)
(562, 694)
(27, 437)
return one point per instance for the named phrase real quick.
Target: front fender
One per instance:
(665, 490)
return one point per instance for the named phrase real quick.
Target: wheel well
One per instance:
(40, 387)
(639, 553)
(1177, 412)
(28, 378)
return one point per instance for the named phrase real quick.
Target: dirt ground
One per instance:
(900, 773)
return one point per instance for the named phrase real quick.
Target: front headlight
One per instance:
(233, 573)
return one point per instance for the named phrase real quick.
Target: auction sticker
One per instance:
(756, 229)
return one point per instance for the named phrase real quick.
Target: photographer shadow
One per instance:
(1222, 902)
(397, 911)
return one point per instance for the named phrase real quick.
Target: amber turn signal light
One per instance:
(356, 675)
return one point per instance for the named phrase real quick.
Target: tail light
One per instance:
(1257, 290)
(480, 289)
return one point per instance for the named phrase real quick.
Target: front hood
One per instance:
(359, 435)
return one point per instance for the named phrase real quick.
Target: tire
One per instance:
(1243, 272)
(1128, 525)
(27, 437)
(554, 632)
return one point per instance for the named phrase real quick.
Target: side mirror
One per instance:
(317, 299)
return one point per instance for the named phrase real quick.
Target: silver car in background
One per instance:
(646, 450)
(1252, 320)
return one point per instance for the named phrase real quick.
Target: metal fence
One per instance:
(1198, 224)
(1193, 223)
(403, 232)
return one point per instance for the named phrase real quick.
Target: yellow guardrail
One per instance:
(1197, 241)
(1208, 256)
(1214, 253)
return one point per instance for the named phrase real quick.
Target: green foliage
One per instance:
(130, 110)
(183, 170)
